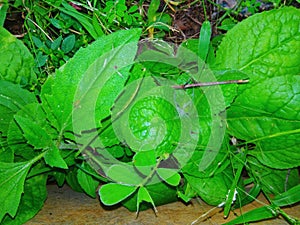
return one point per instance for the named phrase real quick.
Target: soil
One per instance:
(64, 206)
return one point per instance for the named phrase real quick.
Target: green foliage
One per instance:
(109, 117)
(18, 63)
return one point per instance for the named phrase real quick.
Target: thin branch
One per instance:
(205, 84)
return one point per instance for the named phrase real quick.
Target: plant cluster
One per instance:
(119, 114)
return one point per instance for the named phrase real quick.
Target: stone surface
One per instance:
(64, 206)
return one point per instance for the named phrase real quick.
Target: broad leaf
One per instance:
(112, 193)
(270, 57)
(16, 62)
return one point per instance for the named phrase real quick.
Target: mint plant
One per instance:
(114, 116)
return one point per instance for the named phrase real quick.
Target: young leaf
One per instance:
(12, 186)
(143, 195)
(170, 176)
(111, 193)
(17, 65)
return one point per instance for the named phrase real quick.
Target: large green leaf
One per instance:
(90, 68)
(35, 193)
(16, 62)
(270, 49)
(266, 111)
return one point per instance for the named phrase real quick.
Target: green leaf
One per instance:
(12, 99)
(6, 153)
(83, 19)
(144, 161)
(3, 10)
(270, 121)
(33, 133)
(204, 40)
(289, 197)
(213, 190)
(54, 159)
(34, 117)
(32, 201)
(17, 65)
(72, 179)
(111, 193)
(160, 192)
(143, 195)
(257, 214)
(56, 43)
(58, 92)
(270, 49)
(124, 174)
(270, 57)
(68, 43)
(87, 182)
(273, 181)
(170, 176)
(12, 186)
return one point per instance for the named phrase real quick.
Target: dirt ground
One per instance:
(64, 206)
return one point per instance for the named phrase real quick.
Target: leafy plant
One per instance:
(122, 115)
